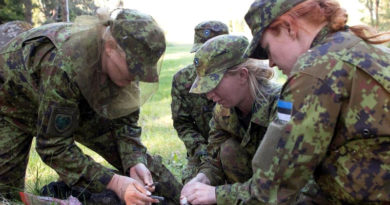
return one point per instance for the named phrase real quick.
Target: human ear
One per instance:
(292, 30)
(244, 74)
(109, 46)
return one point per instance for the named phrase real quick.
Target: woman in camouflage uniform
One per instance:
(191, 113)
(244, 97)
(333, 115)
(82, 82)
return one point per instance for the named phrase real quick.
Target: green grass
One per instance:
(158, 133)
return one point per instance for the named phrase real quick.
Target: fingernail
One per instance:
(148, 193)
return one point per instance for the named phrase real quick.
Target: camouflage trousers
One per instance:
(15, 146)
(191, 170)
(236, 161)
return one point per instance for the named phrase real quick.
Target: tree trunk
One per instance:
(28, 11)
(65, 11)
(377, 14)
(370, 9)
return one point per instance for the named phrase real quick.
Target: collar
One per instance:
(321, 36)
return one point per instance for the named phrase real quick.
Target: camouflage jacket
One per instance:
(39, 94)
(339, 93)
(225, 124)
(191, 113)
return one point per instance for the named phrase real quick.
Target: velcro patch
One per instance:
(284, 110)
(62, 121)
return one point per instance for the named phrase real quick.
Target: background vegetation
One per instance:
(376, 12)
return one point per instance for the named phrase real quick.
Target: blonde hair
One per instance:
(319, 11)
(259, 73)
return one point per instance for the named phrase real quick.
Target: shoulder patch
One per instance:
(62, 121)
(284, 109)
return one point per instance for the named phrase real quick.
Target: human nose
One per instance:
(211, 96)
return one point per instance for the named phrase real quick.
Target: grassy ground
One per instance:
(158, 133)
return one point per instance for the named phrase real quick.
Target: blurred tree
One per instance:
(236, 25)
(11, 10)
(55, 10)
(379, 14)
(28, 7)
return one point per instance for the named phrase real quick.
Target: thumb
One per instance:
(148, 180)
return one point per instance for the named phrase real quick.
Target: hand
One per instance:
(142, 174)
(130, 191)
(199, 193)
(196, 191)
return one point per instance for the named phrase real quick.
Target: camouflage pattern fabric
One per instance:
(259, 16)
(191, 114)
(11, 29)
(214, 58)
(232, 145)
(147, 42)
(207, 30)
(41, 97)
(339, 92)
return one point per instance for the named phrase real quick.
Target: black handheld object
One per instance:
(160, 198)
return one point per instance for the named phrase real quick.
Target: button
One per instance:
(366, 132)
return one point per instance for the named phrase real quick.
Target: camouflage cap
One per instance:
(206, 30)
(259, 16)
(214, 58)
(143, 41)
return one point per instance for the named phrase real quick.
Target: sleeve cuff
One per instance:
(214, 179)
(134, 159)
(95, 179)
(235, 194)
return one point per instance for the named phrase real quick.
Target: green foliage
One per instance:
(11, 10)
(379, 14)
(53, 10)
(81, 7)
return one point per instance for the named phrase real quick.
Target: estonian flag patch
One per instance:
(284, 110)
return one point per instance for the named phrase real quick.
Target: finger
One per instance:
(150, 188)
(146, 199)
(139, 198)
(141, 188)
(191, 198)
(148, 180)
(187, 189)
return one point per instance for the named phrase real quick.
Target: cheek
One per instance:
(229, 91)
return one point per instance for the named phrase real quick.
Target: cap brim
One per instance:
(195, 47)
(139, 73)
(207, 83)
(254, 49)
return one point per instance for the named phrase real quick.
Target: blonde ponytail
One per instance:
(259, 74)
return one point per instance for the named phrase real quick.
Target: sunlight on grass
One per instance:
(175, 56)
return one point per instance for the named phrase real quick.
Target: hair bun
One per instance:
(338, 20)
